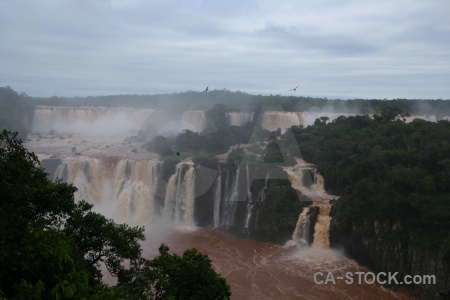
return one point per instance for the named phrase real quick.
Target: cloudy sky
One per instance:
(347, 49)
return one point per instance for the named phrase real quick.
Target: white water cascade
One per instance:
(127, 186)
(180, 196)
(231, 200)
(117, 121)
(135, 185)
(239, 118)
(249, 200)
(302, 227)
(217, 198)
(89, 120)
(304, 177)
(322, 227)
(272, 120)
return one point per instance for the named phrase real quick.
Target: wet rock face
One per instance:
(385, 246)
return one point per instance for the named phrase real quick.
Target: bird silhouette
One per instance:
(294, 89)
(178, 153)
(207, 88)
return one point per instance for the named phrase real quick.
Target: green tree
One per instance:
(159, 144)
(101, 240)
(35, 256)
(205, 160)
(16, 111)
(189, 276)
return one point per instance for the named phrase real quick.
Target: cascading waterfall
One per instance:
(272, 120)
(302, 227)
(85, 173)
(322, 227)
(239, 118)
(89, 120)
(94, 121)
(196, 118)
(231, 200)
(129, 186)
(312, 187)
(300, 177)
(180, 195)
(217, 198)
(135, 184)
(249, 200)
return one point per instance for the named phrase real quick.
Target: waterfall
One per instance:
(304, 178)
(217, 198)
(303, 226)
(231, 200)
(89, 120)
(249, 199)
(322, 228)
(128, 186)
(180, 195)
(85, 173)
(272, 120)
(135, 185)
(239, 118)
(94, 121)
(171, 194)
(196, 119)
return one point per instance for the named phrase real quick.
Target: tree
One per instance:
(388, 113)
(35, 256)
(235, 156)
(205, 160)
(16, 111)
(159, 144)
(101, 240)
(189, 276)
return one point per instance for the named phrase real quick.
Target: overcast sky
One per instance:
(347, 49)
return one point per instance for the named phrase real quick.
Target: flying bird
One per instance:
(294, 89)
(207, 88)
(178, 153)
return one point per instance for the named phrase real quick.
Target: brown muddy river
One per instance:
(257, 270)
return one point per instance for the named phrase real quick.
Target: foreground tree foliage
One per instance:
(174, 277)
(53, 248)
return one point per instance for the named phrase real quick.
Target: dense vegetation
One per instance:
(278, 212)
(52, 247)
(16, 111)
(386, 169)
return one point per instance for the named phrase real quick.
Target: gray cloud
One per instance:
(347, 49)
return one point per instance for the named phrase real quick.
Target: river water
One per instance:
(258, 270)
